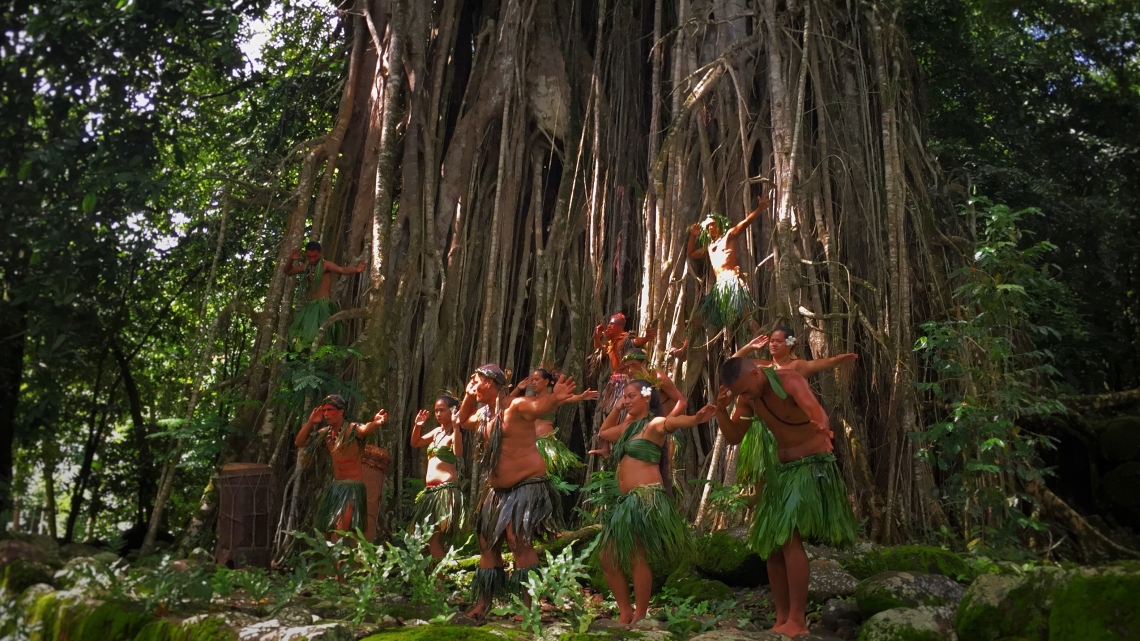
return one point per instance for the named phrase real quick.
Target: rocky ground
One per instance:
(906, 593)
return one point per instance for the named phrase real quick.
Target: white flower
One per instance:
(790, 340)
(647, 392)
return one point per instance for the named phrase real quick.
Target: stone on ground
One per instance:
(724, 556)
(829, 580)
(908, 558)
(739, 635)
(1097, 604)
(685, 583)
(838, 613)
(905, 624)
(888, 590)
(997, 606)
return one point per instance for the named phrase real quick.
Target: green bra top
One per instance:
(442, 453)
(637, 448)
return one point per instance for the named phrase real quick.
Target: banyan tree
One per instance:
(513, 171)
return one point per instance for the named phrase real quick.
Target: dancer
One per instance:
(558, 458)
(729, 302)
(441, 502)
(520, 503)
(344, 504)
(804, 495)
(613, 341)
(635, 365)
(645, 523)
(758, 442)
(317, 283)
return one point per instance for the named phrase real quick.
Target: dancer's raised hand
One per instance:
(564, 388)
(421, 418)
(317, 415)
(380, 418)
(705, 413)
(723, 398)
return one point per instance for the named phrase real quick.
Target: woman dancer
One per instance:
(645, 523)
(559, 458)
(441, 502)
(757, 453)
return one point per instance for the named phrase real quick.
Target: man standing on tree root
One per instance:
(519, 504)
(729, 303)
(803, 494)
(317, 283)
(344, 506)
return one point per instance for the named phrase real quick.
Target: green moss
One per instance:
(909, 558)
(114, 621)
(1001, 606)
(723, 557)
(210, 629)
(52, 613)
(444, 633)
(685, 583)
(1092, 607)
(161, 630)
(609, 635)
(20, 575)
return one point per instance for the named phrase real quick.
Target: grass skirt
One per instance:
(445, 505)
(559, 459)
(529, 508)
(337, 498)
(645, 515)
(808, 495)
(727, 304)
(757, 454)
(308, 321)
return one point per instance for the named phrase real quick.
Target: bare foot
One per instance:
(476, 613)
(636, 618)
(625, 618)
(790, 629)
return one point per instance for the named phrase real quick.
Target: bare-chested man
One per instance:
(344, 506)
(317, 283)
(520, 503)
(615, 341)
(755, 449)
(803, 495)
(635, 365)
(729, 303)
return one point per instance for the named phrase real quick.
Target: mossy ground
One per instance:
(1095, 607)
(909, 558)
(445, 633)
(685, 583)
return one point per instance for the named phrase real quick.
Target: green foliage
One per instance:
(982, 366)
(690, 615)
(726, 500)
(314, 375)
(558, 582)
(601, 493)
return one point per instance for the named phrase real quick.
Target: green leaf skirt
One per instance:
(444, 505)
(646, 515)
(559, 458)
(727, 304)
(339, 496)
(308, 321)
(808, 495)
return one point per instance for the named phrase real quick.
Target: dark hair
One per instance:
(655, 408)
(732, 369)
(493, 372)
(312, 245)
(788, 333)
(448, 400)
(547, 374)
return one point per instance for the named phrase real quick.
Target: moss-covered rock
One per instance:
(21, 574)
(1097, 604)
(55, 615)
(686, 583)
(998, 606)
(113, 620)
(903, 624)
(888, 590)
(727, 559)
(908, 558)
(1119, 485)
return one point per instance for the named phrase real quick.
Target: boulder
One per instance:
(20, 574)
(686, 583)
(837, 613)
(739, 635)
(997, 606)
(828, 580)
(70, 551)
(905, 624)
(12, 549)
(908, 558)
(276, 630)
(1097, 603)
(724, 556)
(888, 590)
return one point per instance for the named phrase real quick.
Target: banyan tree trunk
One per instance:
(516, 170)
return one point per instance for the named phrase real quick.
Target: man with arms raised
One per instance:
(803, 495)
(317, 283)
(520, 503)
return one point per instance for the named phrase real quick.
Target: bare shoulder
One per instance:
(791, 376)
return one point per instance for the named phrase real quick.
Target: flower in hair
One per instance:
(789, 340)
(647, 392)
